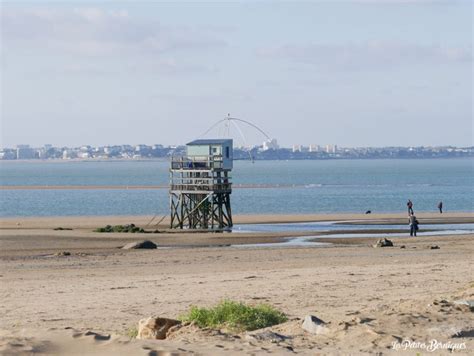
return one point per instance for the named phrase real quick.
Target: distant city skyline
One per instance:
(269, 150)
(265, 145)
(356, 73)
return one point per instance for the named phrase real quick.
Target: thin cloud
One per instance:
(367, 55)
(94, 31)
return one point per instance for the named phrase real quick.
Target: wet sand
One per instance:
(87, 222)
(370, 297)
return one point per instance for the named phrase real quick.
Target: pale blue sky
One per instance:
(353, 73)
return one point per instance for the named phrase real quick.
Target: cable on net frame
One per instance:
(227, 121)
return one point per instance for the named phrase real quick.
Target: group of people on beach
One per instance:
(413, 221)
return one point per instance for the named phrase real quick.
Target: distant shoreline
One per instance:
(166, 159)
(135, 187)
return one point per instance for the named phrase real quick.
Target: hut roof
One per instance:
(205, 142)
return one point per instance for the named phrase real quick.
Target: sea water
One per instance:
(294, 187)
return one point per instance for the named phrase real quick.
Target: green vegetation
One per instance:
(132, 332)
(61, 228)
(235, 316)
(122, 228)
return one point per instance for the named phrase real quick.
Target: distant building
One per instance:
(40, 153)
(7, 154)
(297, 148)
(270, 145)
(68, 154)
(85, 149)
(25, 152)
(84, 155)
(139, 148)
(314, 148)
(331, 148)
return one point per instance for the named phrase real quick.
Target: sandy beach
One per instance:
(372, 299)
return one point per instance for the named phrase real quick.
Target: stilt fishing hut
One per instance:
(200, 186)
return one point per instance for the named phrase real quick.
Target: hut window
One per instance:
(227, 152)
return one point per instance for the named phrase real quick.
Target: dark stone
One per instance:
(464, 333)
(146, 244)
(384, 243)
(63, 253)
(268, 336)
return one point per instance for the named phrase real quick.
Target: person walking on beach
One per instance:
(440, 207)
(410, 207)
(413, 222)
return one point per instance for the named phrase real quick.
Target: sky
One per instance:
(351, 73)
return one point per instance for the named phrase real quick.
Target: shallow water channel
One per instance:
(337, 230)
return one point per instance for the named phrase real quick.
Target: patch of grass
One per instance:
(235, 316)
(132, 333)
(61, 228)
(121, 228)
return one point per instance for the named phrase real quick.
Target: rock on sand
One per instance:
(266, 335)
(63, 253)
(314, 325)
(146, 244)
(155, 328)
(384, 243)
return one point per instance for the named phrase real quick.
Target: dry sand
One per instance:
(87, 303)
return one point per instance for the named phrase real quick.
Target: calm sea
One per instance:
(319, 187)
